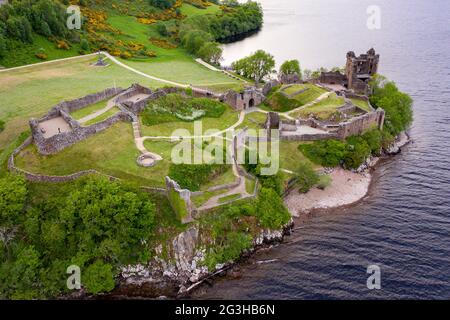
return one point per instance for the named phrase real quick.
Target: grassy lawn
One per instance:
(172, 64)
(291, 89)
(190, 10)
(103, 116)
(183, 69)
(362, 104)
(230, 197)
(83, 112)
(250, 185)
(112, 152)
(254, 120)
(32, 91)
(309, 95)
(166, 129)
(289, 154)
(225, 178)
(323, 109)
(201, 199)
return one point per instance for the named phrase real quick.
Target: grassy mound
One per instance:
(176, 107)
(290, 97)
(324, 109)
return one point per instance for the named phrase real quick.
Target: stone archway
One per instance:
(251, 103)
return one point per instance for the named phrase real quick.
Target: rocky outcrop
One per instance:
(180, 264)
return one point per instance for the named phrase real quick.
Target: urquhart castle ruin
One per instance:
(58, 129)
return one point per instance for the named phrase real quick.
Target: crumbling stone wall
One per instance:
(268, 86)
(289, 78)
(58, 142)
(361, 124)
(333, 77)
(247, 98)
(180, 200)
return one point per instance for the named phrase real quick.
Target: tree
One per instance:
(290, 67)
(84, 45)
(98, 277)
(211, 52)
(306, 177)
(271, 211)
(13, 192)
(257, 66)
(162, 4)
(24, 274)
(396, 104)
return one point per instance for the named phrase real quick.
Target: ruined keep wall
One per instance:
(58, 142)
(73, 105)
(180, 200)
(361, 124)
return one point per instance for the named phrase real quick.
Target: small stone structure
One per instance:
(289, 78)
(332, 77)
(358, 71)
(247, 98)
(58, 129)
(268, 86)
(180, 200)
(100, 62)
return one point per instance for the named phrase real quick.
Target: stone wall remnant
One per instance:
(180, 200)
(247, 98)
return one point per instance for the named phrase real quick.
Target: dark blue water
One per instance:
(404, 223)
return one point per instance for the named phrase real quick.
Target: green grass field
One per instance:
(254, 120)
(309, 95)
(103, 116)
(170, 64)
(83, 112)
(30, 92)
(192, 11)
(166, 129)
(111, 152)
(362, 104)
(323, 109)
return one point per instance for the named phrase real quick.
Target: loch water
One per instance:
(403, 225)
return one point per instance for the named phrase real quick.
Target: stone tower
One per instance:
(359, 70)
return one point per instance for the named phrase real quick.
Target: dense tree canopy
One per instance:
(256, 66)
(97, 225)
(290, 67)
(396, 104)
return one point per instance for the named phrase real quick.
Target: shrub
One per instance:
(193, 176)
(229, 250)
(270, 210)
(84, 44)
(305, 177)
(98, 277)
(2, 125)
(328, 153)
(324, 181)
(175, 107)
(357, 152)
